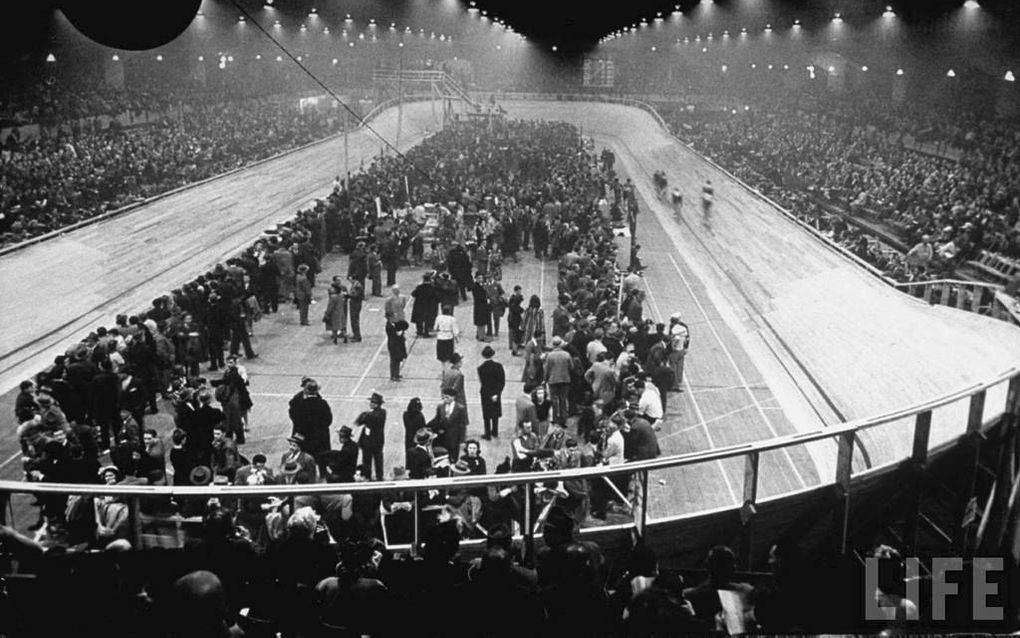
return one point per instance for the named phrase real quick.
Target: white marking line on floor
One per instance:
(336, 397)
(368, 368)
(736, 368)
(10, 460)
(697, 409)
(733, 387)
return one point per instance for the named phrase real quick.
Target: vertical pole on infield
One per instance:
(347, 157)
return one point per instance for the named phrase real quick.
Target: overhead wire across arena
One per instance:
(248, 16)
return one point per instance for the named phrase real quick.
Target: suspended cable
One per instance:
(330, 91)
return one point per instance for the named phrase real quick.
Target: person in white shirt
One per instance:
(650, 403)
(447, 334)
(595, 346)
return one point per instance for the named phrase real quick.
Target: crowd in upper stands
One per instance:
(836, 151)
(73, 173)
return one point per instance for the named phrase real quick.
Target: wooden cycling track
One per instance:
(788, 335)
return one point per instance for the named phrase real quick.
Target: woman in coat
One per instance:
(533, 322)
(335, 316)
(414, 420)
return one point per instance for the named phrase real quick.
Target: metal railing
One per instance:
(845, 437)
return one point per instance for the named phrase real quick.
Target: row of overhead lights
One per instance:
(811, 69)
(837, 19)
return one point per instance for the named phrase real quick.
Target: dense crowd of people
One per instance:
(949, 210)
(69, 175)
(595, 381)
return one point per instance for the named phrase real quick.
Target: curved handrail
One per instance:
(676, 460)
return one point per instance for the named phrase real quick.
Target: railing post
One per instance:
(135, 521)
(927, 293)
(529, 533)
(976, 298)
(961, 295)
(748, 510)
(916, 466)
(644, 503)
(417, 525)
(844, 472)
(944, 296)
(973, 438)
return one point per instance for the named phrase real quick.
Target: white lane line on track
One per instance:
(736, 368)
(368, 368)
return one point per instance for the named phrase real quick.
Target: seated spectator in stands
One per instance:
(354, 599)
(111, 512)
(297, 562)
(303, 461)
(660, 609)
(154, 457)
(198, 607)
(226, 550)
(793, 603)
(255, 473)
(225, 457)
(722, 565)
(495, 579)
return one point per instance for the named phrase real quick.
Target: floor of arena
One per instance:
(746, 268)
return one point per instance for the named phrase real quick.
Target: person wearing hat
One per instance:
(481, 313)
(311, 417)
(419, 456)
(396, 346)
(297, 456)
(302, 293)
(450, 423)
(679, 343)
(373, 436)
(492, 380)
(426, 306)
(342, 462)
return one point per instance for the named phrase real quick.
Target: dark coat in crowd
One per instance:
(311, 417)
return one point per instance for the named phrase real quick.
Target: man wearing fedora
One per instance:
(426, 306)
(342, 462)
(298, 457)
(311, 417)
(373, 422)
(492, 378)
